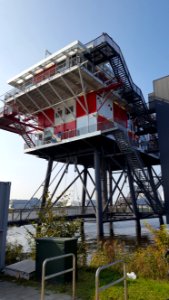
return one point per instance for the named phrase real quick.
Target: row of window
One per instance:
(65, 111)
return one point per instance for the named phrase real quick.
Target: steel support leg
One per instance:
(103, 181)
(133, 197)
(155, 193)
(84, 189)
(99, 211)
(111, 200)
(47, 181)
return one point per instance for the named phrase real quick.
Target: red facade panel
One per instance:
(46, 119)
(120, 115)
(70, 126)
(91, 103)
(103, 123)
(59, 128)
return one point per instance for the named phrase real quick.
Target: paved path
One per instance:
(12, 291)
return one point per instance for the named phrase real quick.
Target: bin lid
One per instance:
(56, 239)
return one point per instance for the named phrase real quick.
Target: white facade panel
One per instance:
(87, 124)
(105, 107)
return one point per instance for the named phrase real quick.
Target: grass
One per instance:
(139, 289)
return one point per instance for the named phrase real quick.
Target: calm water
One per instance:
(123, 231)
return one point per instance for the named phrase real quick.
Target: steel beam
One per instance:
(47, 181)
(99, 212)
(134, 201)
(155, 194)
(84, 189)
(110, 200)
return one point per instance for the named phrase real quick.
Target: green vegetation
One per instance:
(152, 261)
(150, 264)
(139, 289)
(14, 253)
(51, 226)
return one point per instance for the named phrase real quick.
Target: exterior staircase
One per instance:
(135, 162)
(22, 130)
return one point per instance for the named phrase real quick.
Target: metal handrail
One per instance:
(73, 270)
(102, 288)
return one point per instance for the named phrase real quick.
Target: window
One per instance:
(69, 110)
(59, 113)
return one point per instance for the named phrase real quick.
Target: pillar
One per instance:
(99, 210)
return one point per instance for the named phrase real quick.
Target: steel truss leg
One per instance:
(155, 193)
(134, 200)
(99, 212)
(60, 180)
(103, 181)
(47, 181)
(111, 200)
(84, 189)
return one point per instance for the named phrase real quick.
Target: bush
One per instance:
(107, 252)
(152, 261)
(14, 253)
(51, 226)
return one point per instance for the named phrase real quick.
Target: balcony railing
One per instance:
(40, 139)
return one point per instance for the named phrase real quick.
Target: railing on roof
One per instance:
(106, 38)
(58, 69)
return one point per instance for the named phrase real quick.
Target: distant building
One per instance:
(24, 203)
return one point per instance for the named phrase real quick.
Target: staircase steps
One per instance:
(136, 164)
(21, 128)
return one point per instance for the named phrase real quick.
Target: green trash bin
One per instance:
(51, 247)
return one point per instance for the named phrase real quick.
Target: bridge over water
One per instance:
(21, 217)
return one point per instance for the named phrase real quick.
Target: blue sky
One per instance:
(28, 28)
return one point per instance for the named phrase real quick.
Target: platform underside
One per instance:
(80, 151)
(59, 87)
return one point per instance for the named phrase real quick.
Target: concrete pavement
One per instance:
(12, 291)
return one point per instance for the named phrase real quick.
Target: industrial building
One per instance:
(79, 106)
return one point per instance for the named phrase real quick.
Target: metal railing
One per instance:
(48, 74)
(102, 288)
(73, 270)
(33, 213)
(57, 138)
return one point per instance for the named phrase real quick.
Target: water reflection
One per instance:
(123, 232)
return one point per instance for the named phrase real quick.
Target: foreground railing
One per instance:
(102, 288)
(73, 270)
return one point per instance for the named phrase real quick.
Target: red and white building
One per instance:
(64, 96)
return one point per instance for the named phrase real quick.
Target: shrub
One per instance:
(107, 252)
(152, 261)
(51, 226)
(14, 253)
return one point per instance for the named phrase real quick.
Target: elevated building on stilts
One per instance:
(79, 106)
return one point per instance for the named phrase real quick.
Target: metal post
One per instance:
(47, 180)
(111, 200)
(155, 192)
(4, 205)
(125, 282)
(103, 181)
(99, 212)
(134, 200)
(84, 190)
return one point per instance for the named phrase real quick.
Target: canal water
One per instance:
(123, 231)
